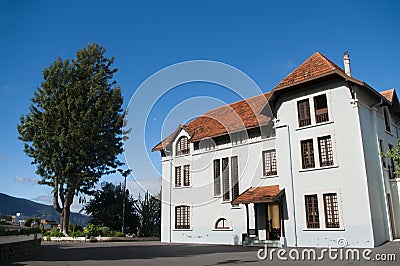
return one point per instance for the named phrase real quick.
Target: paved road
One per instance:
(155, 253)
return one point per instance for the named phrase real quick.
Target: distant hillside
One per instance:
(11, 205)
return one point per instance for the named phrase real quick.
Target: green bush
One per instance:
(105, 231)
(55, 232)
(139, 233)
(78, 233)
(119, 234)
(91, 230)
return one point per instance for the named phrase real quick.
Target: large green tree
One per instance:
(73, 130)
(149, 211)
(106, 208)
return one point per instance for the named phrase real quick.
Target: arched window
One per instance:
(387, 120)
(182, 146)
(222, 224)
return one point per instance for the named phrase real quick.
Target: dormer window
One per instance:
(182, 146)
(321, 109)
(387, 120)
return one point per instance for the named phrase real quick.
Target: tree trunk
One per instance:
(65, 222)
(62, 221)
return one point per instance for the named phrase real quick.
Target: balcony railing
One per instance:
(321, 115)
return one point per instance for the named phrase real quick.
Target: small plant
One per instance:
(105, 231)
(91, 230)
(78, 233)
(119, 234)
(55, 232)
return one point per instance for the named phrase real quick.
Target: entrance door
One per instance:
(274, 221)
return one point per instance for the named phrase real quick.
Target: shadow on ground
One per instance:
(60, 252)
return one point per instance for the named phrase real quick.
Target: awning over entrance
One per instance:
(259, 195)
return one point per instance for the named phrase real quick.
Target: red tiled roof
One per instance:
(259, 195)
(226, 119)
(315, 66)
(388, 94)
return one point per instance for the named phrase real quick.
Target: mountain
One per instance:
(11, 205)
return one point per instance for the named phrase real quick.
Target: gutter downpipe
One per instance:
(389, 233)
(170, 199)
(291, 182)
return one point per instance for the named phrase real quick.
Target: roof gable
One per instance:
(223, 120)
(315, 66)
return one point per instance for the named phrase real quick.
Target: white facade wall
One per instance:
(347, 177)
(356, 176)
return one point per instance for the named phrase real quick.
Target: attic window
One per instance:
(182, 147)
(387, 120)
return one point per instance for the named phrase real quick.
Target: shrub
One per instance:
(91, 230)
(78, 233)
(55, 232)
(119, 234)
(105, 231)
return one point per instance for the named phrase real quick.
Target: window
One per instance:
(303, 110)
(235, 177)
(307, 154)
(382, 151)
(325, 151)
(182, 217)
(225, 179)
(312, 215)
(321, 109)
(229, 189)
(269, 162)
(331, 210)
(217, 178)
(387, 120)
(182, 147)
(178, 176)
(186, 175)
(222, 224)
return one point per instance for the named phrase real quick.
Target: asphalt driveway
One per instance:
(155, 253)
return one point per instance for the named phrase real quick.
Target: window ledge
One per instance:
(319, 168)
(269, 176)
(228, 229)
(182, 155)
(314, 125)
(190, 229)
(397, 179)
(182, 187)
(324, 229)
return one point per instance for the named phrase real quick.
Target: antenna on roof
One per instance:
(346, 61)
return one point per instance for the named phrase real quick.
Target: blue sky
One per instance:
(264, 39)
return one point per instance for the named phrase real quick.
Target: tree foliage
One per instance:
(149, 212)
(105, 208)
(73, 130)
(394, 154)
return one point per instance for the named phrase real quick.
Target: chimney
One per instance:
(346, 61)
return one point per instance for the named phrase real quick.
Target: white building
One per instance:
(298, 166)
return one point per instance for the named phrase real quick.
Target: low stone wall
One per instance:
(15, 249)
(100, 239)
